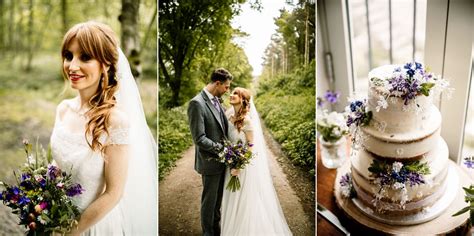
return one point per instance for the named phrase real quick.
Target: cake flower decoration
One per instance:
(408, 82)
(397, 176)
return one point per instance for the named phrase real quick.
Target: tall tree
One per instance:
(2, 25)
(187, 29)
(11, 43)
(130, 34)
(64, 16)
(30, 35)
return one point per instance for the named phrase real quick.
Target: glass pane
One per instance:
(373, 50)
(468, 146)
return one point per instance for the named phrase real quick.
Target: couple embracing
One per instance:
(254, 209)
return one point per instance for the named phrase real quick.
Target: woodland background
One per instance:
(31, 83)
(195, 37)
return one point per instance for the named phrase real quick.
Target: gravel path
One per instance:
(180, 194)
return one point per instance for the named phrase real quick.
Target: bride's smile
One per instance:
(82, 70)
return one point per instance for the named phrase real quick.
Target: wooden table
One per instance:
(325, 196)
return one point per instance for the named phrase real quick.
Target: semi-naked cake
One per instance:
(401, 164)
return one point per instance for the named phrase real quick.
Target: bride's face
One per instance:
(82, 71)
(235, 98)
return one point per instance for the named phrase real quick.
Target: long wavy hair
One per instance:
(99, 42)
(244, 94)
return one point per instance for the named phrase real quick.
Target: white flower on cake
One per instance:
(397, 166)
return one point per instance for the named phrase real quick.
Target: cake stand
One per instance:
(437, 219)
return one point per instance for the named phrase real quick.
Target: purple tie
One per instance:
(216, 104)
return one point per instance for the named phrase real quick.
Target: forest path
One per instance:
(180, 197)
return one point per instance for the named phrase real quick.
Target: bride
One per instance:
(254, 209)
(101, 136)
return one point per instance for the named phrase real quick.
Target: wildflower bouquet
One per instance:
(42, 196)
(235, 156)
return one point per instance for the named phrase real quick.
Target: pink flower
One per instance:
(43, 205)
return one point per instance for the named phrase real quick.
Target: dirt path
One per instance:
(180, 194)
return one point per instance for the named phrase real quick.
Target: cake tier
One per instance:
(397, 117)
(418, 195)
(397, 209)
(406, 144)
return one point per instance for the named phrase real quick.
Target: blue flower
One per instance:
(1, 195)
(15, 191)
(23, 200)
(418, 66)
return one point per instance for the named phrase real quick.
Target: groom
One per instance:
(208, 126)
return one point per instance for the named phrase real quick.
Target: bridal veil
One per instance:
(140, 199)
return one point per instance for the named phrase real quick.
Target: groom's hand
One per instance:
(234, 172)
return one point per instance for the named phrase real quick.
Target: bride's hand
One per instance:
(234, 172)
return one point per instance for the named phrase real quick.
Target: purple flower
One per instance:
(74, 190)
(1, 195)
(469, 162)
(53, 172)
(415, 178)
(331, 97)
(25, 176)
(345, 180)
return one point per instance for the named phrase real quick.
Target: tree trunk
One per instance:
(3, 32)
(11, 43)
(130, 35)
(306, 43)
(148, 31)
(64, 15)
(30, 36)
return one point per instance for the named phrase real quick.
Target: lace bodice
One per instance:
(234, 135)
(72, 154)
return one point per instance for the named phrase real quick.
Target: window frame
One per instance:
(448, 35)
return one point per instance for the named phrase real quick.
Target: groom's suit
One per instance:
(208, 126)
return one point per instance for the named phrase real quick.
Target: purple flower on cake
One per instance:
(347, 189)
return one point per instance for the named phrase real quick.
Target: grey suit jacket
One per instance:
(208, 131)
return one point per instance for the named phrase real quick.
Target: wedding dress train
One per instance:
(254, 209)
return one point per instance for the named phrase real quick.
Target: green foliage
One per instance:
(174, 137)
(469, 198)
(287, 106)
(425, 88)
(384, 167)
(196, 38)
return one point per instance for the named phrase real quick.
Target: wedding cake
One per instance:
(400, 162)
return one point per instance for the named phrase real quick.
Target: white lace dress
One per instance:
(70, 150)
(254, 209)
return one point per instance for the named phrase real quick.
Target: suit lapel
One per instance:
(214, 111)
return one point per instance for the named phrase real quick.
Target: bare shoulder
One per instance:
(118, 118)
